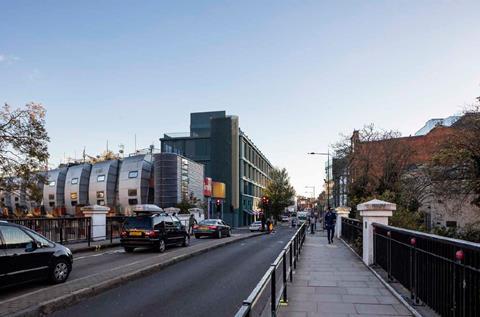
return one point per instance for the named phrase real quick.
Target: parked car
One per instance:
(284, 218)
(255, 226)
(302, 217)
(26, 256)
(214, 228)
(153, 230)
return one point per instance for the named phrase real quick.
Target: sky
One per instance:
(297, 73)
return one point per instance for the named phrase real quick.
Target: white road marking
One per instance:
(98, 254)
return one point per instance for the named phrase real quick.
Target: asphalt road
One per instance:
(211, 284)
(88, 263)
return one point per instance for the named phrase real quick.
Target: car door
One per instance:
(179, 231)
(24, 263)
(170, 230)
(4, 265)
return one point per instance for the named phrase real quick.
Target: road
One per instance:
(211, 284)
(88, 263)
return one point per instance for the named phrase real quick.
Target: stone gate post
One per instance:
(377, 211)
(98, 223)
(342, 212)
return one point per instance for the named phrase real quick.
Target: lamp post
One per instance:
(328, 173)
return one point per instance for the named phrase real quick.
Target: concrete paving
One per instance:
(331, 280)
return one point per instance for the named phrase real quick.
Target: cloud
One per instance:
(8, 59)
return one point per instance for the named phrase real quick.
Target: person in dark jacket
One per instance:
(330, 220)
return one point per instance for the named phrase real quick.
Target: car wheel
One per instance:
(197, 236)
(60, 271)
(128, 249)
(219, 234)
(186, 241)
(161, 246)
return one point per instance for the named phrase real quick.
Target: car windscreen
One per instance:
(143, 222)
(208, 222)
(302, 217)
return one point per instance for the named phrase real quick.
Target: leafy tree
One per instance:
(184, 205)
(23, 148)
(279, 192)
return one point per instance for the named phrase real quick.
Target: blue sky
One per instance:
(297, 73)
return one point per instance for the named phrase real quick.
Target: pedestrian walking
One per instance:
(191, 222)
(263, 222)
(312, 224)
(330, 220)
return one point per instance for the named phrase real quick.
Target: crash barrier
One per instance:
(352, 233)
(272, 288)
(61, 230)
(439, 272)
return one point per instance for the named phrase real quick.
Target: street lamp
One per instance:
(328, 173)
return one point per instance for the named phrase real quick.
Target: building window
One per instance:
(74, 181)
(451, 224)
(133, 201)
(52, 204)
(73, 196)
(100, 178)
(51, 184)
(51, 197)
(132, 192)
(132, 174)
(100, 194)
(101, 202)
(74, 202)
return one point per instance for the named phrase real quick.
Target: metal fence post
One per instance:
(273, 289)
(61, 230)
(111, 231)
(291, 263)
(89, 232)
(285, 276)
(389, 256)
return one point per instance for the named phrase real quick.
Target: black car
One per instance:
(26, 256)
(214, 228)
(153, 230)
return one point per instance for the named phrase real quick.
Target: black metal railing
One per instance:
(61, 230)
(272, 288)
(114, 227)
(442, 273)
(352, 233)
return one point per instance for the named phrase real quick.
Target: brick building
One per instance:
(384, 158)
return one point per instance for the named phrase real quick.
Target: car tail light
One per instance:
(212, 227)
(151, 234)
(123, 234)
(195, 226)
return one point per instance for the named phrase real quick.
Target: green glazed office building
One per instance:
(229, 156)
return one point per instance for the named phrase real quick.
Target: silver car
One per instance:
(255, 226)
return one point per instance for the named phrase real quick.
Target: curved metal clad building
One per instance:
(134, 181)
(76, 187)
(54, 190)
(103, 183)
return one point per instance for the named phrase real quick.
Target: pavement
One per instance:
(210, 284)
(330, 280)
(95, 272)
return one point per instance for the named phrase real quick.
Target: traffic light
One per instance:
(265, 200)
(218, 202)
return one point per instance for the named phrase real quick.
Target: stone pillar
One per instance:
(342, 212)
(377, 211)
(98, 223)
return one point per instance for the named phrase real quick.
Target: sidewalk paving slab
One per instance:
(332, 281)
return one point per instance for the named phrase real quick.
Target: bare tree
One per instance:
(23, 147)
